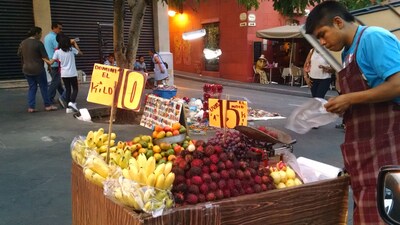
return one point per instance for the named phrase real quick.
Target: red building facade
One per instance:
(231, 28)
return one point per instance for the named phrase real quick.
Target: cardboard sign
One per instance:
(105, 81)
(227, 113)
(160, 111)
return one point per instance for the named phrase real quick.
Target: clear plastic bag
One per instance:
(310, 114)
(78, 150)
(142, 198)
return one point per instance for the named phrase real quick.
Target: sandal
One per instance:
(50, 108)
(31, 110)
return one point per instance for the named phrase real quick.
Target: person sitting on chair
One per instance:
(260, 66)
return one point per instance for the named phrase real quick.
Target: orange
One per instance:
(155, 133)
(156, 149)
(171, 158)
(176, 126)
(158, 128)
(175, 132)
(143, 150)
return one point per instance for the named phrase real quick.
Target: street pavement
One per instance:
(35, 157)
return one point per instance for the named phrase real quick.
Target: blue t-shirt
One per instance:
(51, 44)
(378, 55)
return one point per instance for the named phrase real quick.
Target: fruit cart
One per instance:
(323, 202)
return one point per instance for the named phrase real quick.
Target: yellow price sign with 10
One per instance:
(227, 113)
(107, 81)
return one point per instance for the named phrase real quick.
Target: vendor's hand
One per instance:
(338, 104)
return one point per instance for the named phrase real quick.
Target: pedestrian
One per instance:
(370, 96)
(317, 74)
(140, 65)
(33, 55)
(260, 69)
(110, 60)
(68, 48)
(160, 70)
(51, 44)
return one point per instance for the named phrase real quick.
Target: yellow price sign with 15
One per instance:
(227, 113)
(105, 81)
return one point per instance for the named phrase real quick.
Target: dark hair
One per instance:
(323, 14)
(140, 56)
(55, 24)
(64, 43)
(111, 54)
(34, 30)
(58, 36)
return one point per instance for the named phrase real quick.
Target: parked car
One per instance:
(389, 194)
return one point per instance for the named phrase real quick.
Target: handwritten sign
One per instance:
(105, 81)
(160, 111)
(227, 113)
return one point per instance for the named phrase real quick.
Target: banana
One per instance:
(134, 175)
(103, 148)
(90, 136)
(113, 136)
(141, 160)
(151, 180)
(123, 162)
(112, 143)
(160, 181)
(105, 138)
(93, 177)
(120, 144)
(160, 169)
(132, 202)
(148, 207)
(142, 177)
(125, 173)
(98, 166)
(160, 195)
(133, 163)
(150, 166)
(169, 180)
(168, 168)
(148, 194)
(120, 151)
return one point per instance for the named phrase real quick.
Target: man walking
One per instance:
(51, 44)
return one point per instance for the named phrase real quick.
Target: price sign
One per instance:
(105, 81)
(227, 113)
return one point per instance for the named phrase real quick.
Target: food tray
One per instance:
(258, 135)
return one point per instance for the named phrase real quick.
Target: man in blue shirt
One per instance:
(51, 44)
(369, 102)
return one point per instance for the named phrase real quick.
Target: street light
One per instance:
(194, 34)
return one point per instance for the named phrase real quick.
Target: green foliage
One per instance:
(290, 7)
(357, 4)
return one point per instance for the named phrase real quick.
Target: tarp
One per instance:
(283, 32)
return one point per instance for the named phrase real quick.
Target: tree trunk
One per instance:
(126, 54)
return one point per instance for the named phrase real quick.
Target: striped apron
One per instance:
(372, 140)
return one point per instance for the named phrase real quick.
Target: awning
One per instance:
(282, 32)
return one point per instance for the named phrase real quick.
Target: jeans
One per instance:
(320, 87)
(33, 82)
(70, 83)
(55, 84)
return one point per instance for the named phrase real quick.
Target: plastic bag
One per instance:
(79, 150)
(142, 198)
(310, 114)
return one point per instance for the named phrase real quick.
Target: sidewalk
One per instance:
(273, 88)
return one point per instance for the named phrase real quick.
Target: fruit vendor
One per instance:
(369, 103)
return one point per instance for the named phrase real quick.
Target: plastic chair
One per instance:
(296, 73)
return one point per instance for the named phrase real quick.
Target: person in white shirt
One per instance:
(317, 74)
(68, 48)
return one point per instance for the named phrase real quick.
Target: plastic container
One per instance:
(165, 93)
